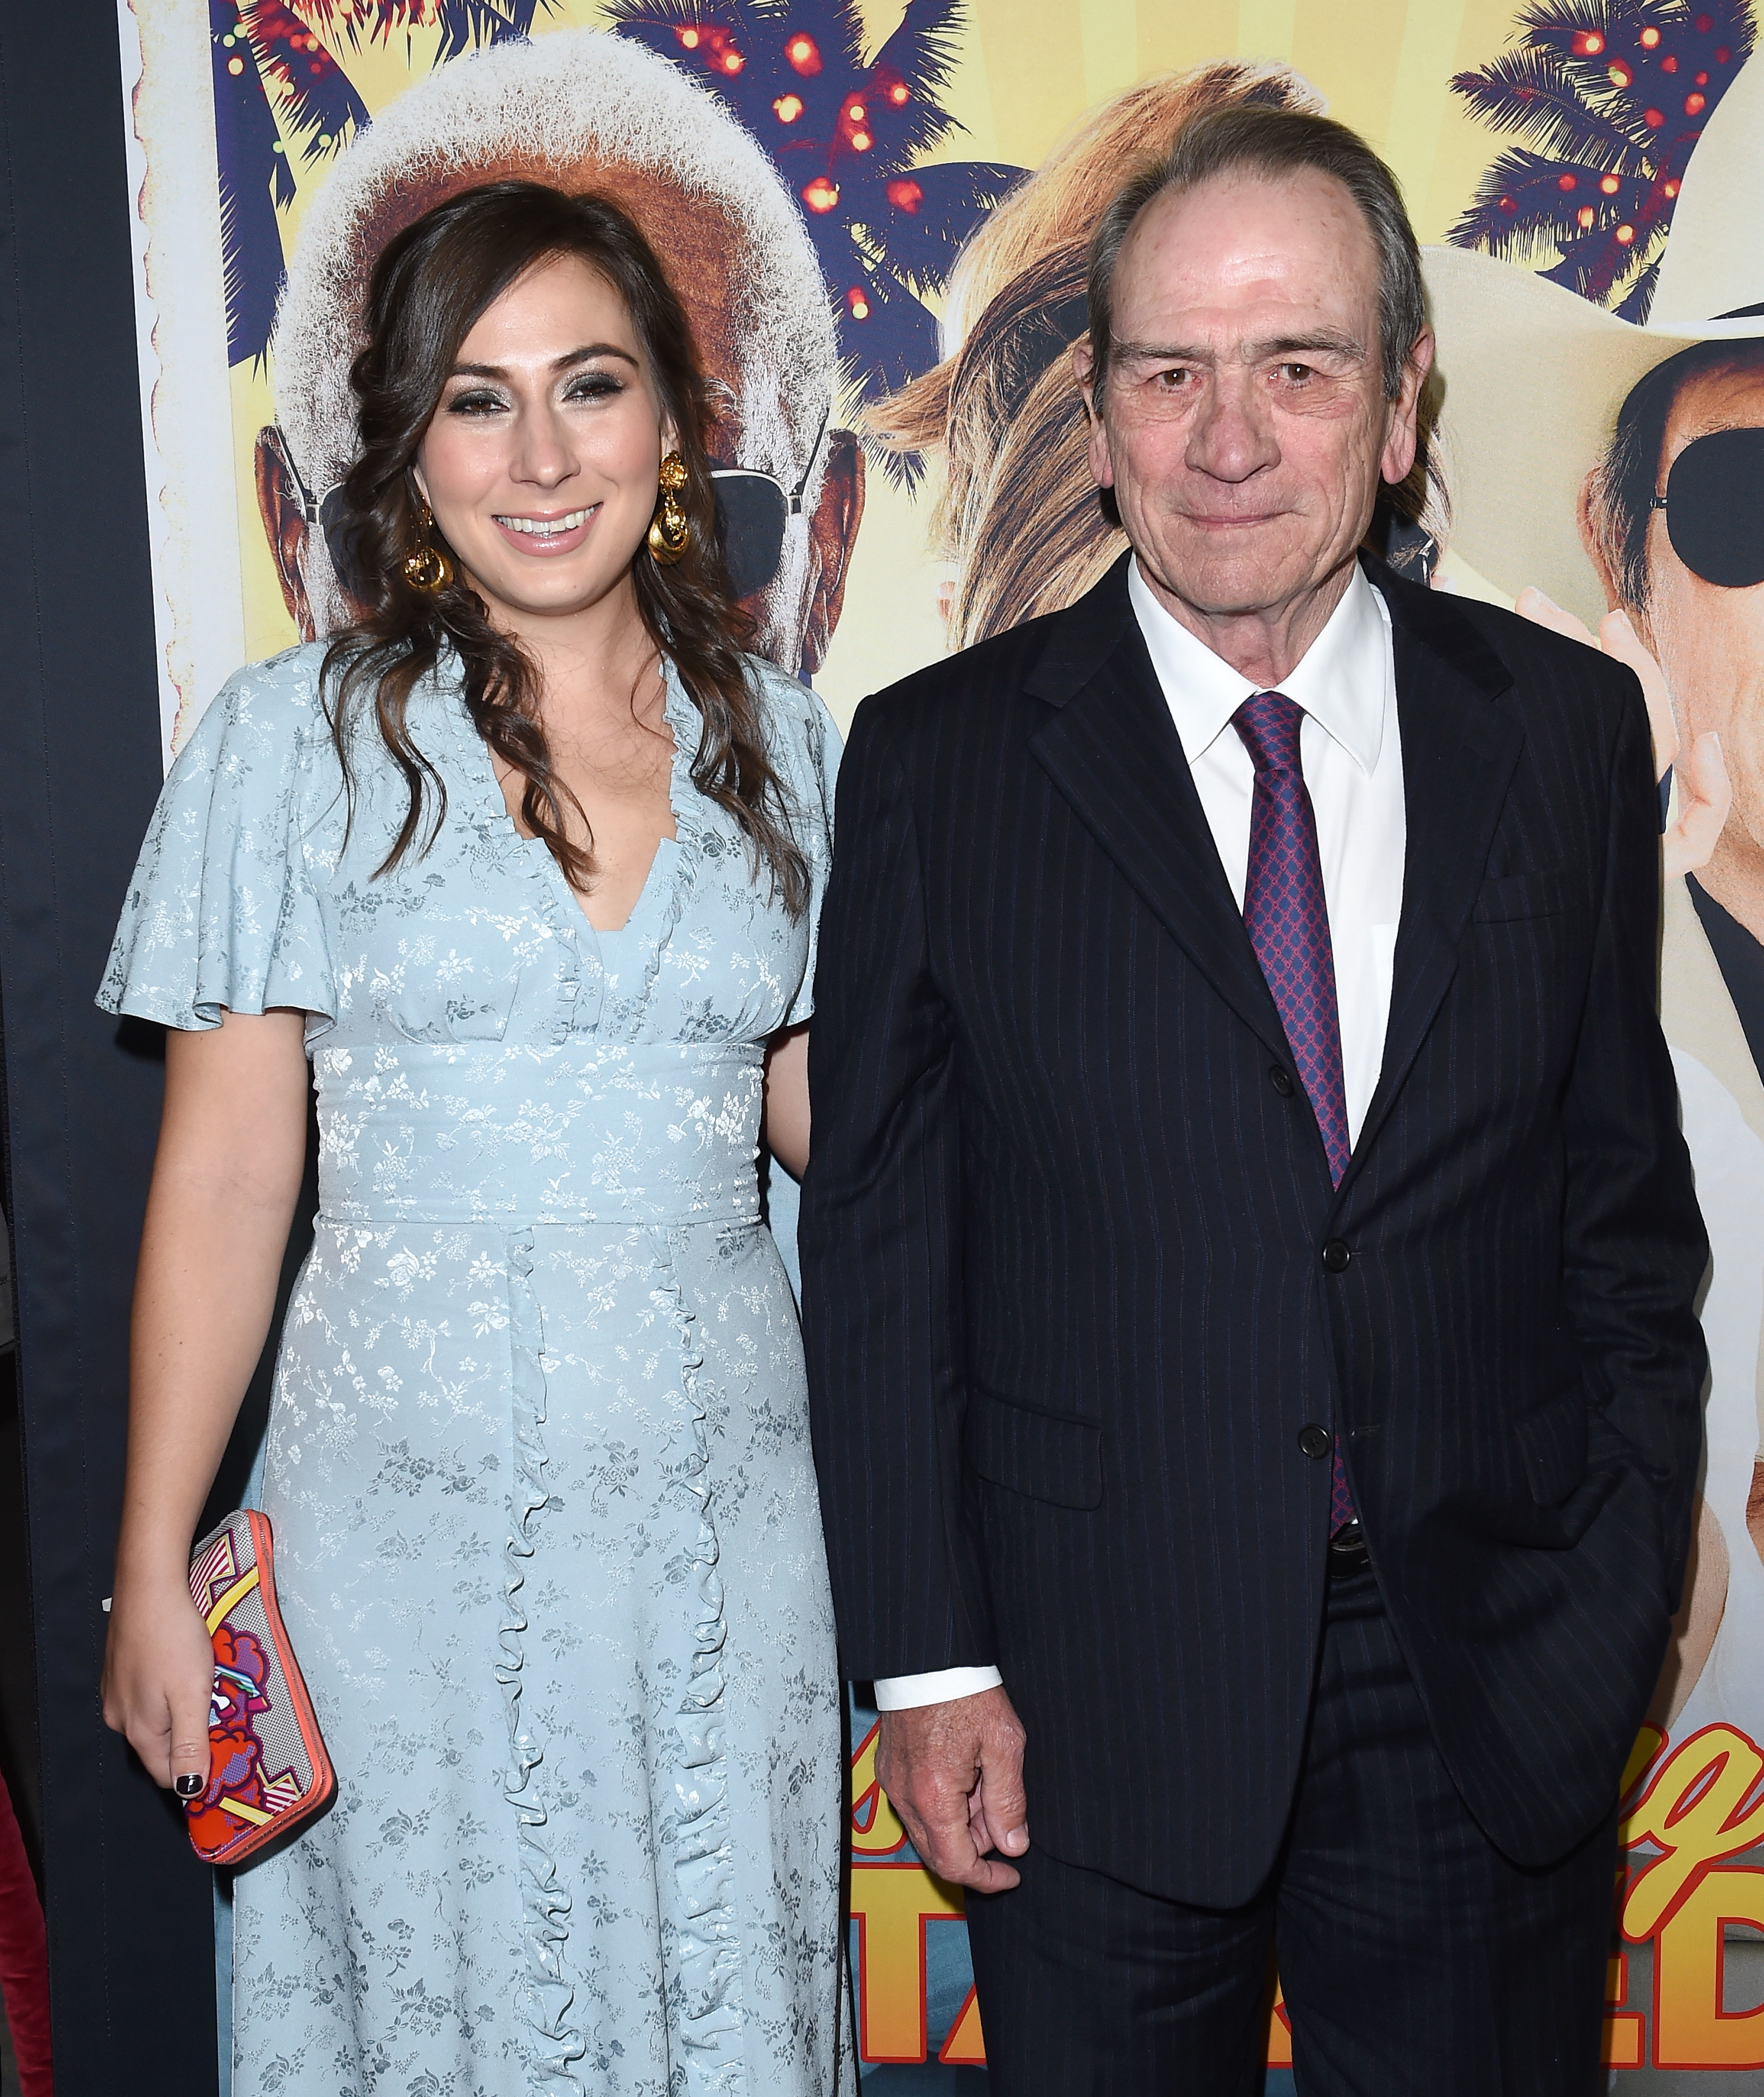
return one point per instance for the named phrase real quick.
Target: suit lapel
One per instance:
(1112, 749)
(1458, 754)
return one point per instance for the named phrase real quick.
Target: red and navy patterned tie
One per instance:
(1288, 921)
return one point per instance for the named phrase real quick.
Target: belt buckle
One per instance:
(1347, 1550)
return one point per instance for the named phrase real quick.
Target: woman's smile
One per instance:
(547, 536)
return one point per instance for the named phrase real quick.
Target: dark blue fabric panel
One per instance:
(128, 1908)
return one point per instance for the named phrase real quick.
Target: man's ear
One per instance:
(1402, 436)
(833, 533)
(281, 506)
(1084, 370)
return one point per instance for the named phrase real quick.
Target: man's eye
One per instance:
(1171, 382)
(1296, 374)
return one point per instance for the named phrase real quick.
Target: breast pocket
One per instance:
(1506, 897)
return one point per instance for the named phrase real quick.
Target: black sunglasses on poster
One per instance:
(753, 511)
(1714, 507)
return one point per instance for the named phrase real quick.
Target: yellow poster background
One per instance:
(1682, 1992)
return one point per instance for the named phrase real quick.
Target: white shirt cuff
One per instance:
(907, 1692)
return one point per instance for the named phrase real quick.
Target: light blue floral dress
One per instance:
(547, 1542)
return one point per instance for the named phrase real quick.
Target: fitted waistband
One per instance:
(580, 1132)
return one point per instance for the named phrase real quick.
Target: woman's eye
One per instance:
(593, 386)
(475, 404)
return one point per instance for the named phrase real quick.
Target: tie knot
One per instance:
(1268, 724)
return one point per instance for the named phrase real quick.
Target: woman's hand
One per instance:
(1705, 792)
(158, 1672)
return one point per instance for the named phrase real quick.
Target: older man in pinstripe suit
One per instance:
(1248, 1249)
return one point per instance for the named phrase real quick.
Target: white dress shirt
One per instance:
(1350, 748)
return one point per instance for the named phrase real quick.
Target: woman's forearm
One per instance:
(225, 1180)
(787, 1100)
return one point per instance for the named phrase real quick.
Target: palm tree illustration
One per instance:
(254, 41)
(1611, 96)
(851, 136)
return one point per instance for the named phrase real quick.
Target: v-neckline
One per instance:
(673, 698)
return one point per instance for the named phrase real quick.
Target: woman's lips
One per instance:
(548, 537)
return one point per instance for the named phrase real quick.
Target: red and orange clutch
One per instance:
(268, 1769)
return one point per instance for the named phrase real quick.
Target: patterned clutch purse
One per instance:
(267, 1765)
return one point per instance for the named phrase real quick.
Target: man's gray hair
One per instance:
(570, 95)
(1244, 138)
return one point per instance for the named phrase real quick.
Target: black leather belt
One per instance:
(1347, 1551)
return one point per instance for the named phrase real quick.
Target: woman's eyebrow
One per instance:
(588, 350)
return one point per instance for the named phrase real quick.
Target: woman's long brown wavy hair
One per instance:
(428, 288)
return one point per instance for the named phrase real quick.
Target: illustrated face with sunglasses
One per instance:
(789, 558)
(1704, 619)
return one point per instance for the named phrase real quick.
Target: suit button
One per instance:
(1336, 1254)
(1314, 1441)
(1281, 1082)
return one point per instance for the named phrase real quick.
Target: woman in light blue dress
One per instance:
(528, 867)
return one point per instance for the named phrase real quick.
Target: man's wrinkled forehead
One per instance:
(1245, 236)
(703, 248)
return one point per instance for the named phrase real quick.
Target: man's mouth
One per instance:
(548, 528)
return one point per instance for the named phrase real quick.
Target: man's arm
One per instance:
(881, 1250)
(1634, 1250)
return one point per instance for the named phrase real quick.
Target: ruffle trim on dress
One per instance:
(706, 2013)
(548, 1993)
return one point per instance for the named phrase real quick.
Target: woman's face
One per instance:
(540, 462)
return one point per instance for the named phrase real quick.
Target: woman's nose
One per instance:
(544, 454)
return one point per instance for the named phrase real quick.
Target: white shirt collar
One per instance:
(1340, 681)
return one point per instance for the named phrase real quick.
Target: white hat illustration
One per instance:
(1534, 374)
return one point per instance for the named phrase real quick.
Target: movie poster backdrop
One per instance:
(877, 216)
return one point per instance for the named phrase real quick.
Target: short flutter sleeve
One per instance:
(805, 746)
(223, 911)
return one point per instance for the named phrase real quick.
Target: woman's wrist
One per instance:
(152, 1562)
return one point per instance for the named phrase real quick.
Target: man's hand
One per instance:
(1705, 792)
(954, 1772)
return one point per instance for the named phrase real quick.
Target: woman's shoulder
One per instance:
(798, 727)
(276, 703)
(292, 707)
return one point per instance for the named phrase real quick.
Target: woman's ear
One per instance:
(423, 486)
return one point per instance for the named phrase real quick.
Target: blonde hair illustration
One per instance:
(1018, 516)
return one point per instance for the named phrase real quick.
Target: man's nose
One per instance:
(1232, 436)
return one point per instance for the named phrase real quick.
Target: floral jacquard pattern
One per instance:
(547, 1535)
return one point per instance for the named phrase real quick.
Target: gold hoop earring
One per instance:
(671, 529)
(426, 567)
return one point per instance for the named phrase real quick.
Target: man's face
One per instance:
(1709, 642)
(703, 250)
(1243, 427)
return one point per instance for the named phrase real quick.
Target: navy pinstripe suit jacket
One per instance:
(1066, 1304)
